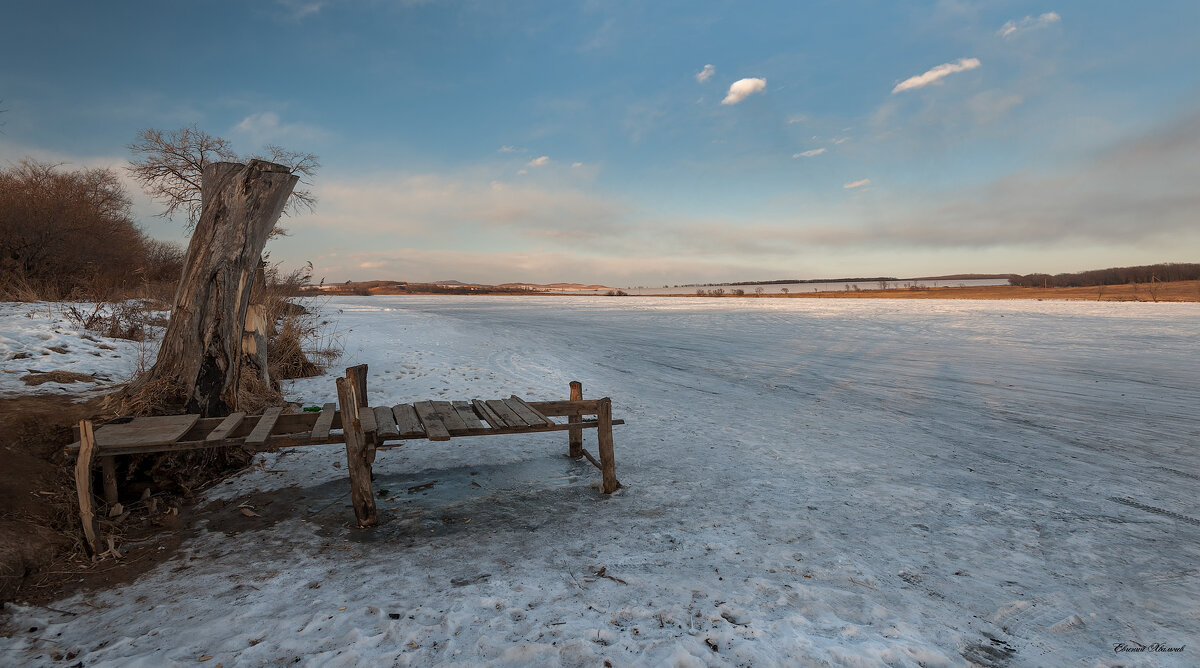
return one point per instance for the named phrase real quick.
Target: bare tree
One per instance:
(169, 166)
(758, 291)
(783, 290)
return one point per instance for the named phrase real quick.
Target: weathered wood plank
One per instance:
(501, 409)
(567, 408)
(407, 423)
(320, 430)
(145, 430)
(366, 416)
(488, 414)
(575, 434)
(445, 410)
(527, 412)
(385, 422)
(228, 424)
(83, 484)
(263, 429)
(467, 414)
(357, 464)
(435, 429)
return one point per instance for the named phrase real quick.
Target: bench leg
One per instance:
(108, 474)
(357, 463)
(608, 464)
(575, 434)
(83, 485)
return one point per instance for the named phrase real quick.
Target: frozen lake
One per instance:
(807, 482)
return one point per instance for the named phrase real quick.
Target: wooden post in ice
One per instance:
(83, 485)
(575, 434)
(357, 376)
(608, 463)
(361, 495)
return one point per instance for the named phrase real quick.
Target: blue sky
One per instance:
(647, 143)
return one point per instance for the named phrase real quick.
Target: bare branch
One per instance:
(169, 166)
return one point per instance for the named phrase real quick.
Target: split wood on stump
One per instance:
(202, 346)
(357, 377)
(357, 462)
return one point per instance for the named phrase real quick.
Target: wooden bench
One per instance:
(363, 428)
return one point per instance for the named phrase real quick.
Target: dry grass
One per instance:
(39, 377)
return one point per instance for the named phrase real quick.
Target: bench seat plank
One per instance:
(450, 418)
(467, 414)
(366, 418)
(385, 422)
(262, 430)
(510, 418)
(524, 412)
(408, 425)
(320, 430)
(487, 414)
(223, 430)
(435, 429)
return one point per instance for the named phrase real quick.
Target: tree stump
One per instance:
(202, 348)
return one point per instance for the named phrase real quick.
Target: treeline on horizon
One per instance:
(1150, 273)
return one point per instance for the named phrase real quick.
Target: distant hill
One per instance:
(959, 277)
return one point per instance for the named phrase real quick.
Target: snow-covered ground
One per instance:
(807, 482)
(37, 338)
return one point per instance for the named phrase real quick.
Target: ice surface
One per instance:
(807, 482)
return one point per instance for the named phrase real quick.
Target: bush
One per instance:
(70, 234)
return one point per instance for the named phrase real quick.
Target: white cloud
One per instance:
(936, 74)
(796, 119)
(705, 74)
(857, 184)
(1028, 23)
(744, 88)
(577, 164)
(809, 153)
(266, 128)
(507, 149)
(298, 9)
(840, 140)
(538, 162)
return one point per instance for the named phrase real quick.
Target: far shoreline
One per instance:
(1173, 291)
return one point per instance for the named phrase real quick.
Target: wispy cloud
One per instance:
(539, 161)
(507, 149)
(857, 184)
(936, 74)
(706, 73)
(298, 9)
(796, 119)
(267, 127)
(744, 88)
(810, 153)
(1028, 23)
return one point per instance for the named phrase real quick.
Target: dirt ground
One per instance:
(42, 556)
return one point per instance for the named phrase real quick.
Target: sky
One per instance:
(651, 143)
